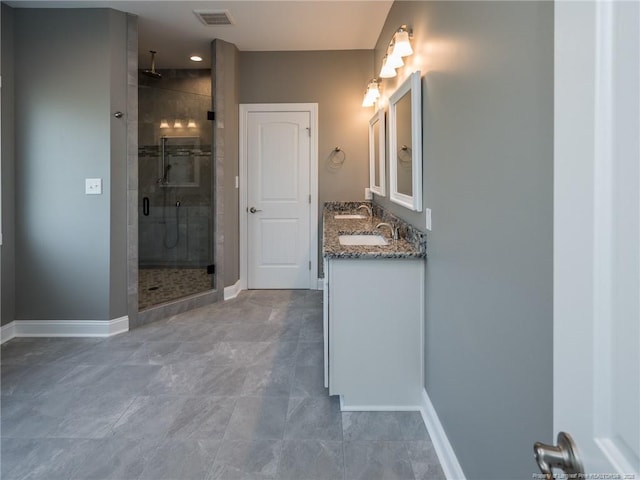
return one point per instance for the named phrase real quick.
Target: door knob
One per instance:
(563, 456)
(118, 114)
(254, 210)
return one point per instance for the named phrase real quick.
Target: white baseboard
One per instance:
(444, 450)
(233, 291)
(378, 408)
(7, 332)
(65, 328)
(446, 455)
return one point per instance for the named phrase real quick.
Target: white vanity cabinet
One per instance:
(373, 332)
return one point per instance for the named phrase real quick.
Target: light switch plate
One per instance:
(93, 186)
(428, 210)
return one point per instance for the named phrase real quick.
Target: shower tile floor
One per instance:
(228, 391)
(160, 285)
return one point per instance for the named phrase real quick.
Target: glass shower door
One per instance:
(175, 187)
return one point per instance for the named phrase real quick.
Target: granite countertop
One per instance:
(411, 244)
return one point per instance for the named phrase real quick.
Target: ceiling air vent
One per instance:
(214, 17)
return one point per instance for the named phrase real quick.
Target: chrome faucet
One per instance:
(367, 207)
(392, 229)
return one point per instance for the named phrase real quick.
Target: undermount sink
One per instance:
(362, 239)
(349, 216)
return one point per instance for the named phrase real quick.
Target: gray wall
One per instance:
(488, 176)
(7, 251)
(336, 80)
(132, 169)
(117, 42)
(225, 104)
(70, 247)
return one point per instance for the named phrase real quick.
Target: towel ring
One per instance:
(336, 158)
(405, 155)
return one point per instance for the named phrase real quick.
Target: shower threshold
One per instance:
(160, 285)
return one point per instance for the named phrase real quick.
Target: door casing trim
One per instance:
(245, 109)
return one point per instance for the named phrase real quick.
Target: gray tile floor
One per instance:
(229, 391)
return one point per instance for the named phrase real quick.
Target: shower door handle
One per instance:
(145, 206)
(118, 114)
(254, 210)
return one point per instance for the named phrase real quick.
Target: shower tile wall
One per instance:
(165, 98)
(170, 236)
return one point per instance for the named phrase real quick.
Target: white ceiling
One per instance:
(171, 28)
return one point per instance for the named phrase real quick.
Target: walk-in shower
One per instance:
(175, 185)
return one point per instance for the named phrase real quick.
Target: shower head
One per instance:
(152, 72)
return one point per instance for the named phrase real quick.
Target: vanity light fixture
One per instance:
(371, 94)
(164, 123)
(387, 70)
(177, 123)
(191, 123)
(400, 46)
(394, 61)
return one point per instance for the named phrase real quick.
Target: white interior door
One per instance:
(278, 199)
(597, 233)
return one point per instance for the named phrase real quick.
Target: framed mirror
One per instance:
(377, 151)
(405, 144)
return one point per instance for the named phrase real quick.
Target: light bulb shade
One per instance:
(373, 90)
(368, 101)
(371, 94)
(402, 46)
(164, 123)
(395, 61)
(177, 124)
(387, 71)
(191, 123)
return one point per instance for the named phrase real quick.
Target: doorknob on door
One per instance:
(563, 456)
(254, 210)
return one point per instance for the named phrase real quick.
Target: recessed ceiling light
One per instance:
(196, 58)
